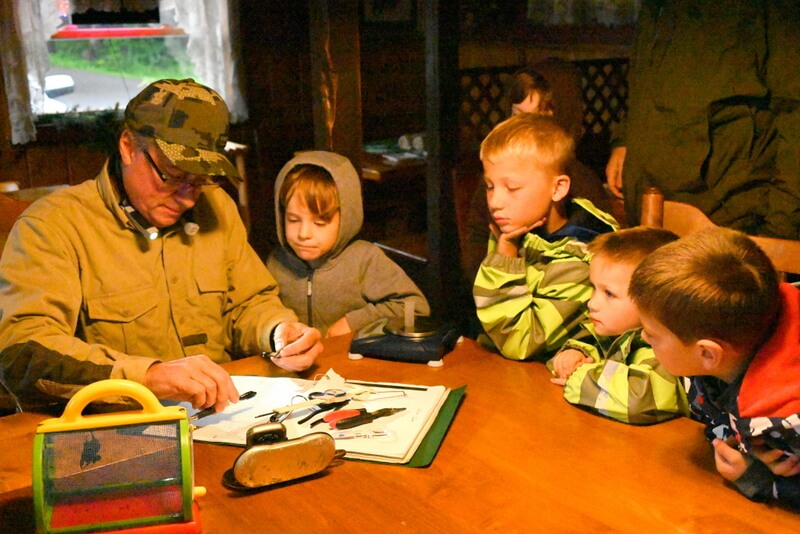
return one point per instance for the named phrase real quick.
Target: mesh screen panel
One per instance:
(113, 477)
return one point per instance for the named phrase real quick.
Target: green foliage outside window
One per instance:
(147, 58)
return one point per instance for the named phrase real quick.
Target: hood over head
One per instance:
(348, 184)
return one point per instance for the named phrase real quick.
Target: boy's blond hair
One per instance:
(714, 284)
(530, 135)
(630, 245)
(317, 188)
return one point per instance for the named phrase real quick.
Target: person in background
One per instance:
(608, 368)
(532, 286)
(529, 92)
(338, 283)
(145, 272)
(713, 116)
(714, 311)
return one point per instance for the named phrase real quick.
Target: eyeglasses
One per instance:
(191, 180)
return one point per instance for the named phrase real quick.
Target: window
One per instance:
(100, 59)
(90, 55)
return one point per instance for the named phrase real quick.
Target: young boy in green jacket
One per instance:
(608, 368)
(531, 288)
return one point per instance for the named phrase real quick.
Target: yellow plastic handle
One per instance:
(109, 388)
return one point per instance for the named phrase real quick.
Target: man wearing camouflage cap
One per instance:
(145, 272)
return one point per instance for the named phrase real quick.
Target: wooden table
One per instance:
(517, 458)
(376, 169)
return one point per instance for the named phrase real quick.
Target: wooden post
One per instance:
(336, 76)
(442, 96)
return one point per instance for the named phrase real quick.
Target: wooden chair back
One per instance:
(14, 202)
(466, 179)
(416, 267)
(618, 210)
(684, 219)
(238, 152)
(10, 209)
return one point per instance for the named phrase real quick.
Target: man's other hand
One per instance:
(195, 379)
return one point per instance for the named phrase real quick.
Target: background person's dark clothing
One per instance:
(714, 111)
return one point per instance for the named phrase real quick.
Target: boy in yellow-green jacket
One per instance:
(531, 288)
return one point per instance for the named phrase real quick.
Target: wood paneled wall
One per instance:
(56, 158)
(393, 82)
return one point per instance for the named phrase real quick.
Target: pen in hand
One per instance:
(278, 353)
(212, 410)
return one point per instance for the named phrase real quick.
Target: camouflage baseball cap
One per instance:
(188, 121)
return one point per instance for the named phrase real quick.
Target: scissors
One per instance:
(325, 397)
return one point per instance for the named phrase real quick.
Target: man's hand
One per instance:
(508, 242)
(565, 363)
(339, 328)
(614, 170)
(299, 345)
(730, 462)
(780, 463)
(195, 379)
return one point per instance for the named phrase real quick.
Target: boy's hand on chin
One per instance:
(508, 242)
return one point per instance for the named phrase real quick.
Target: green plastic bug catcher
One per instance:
(117, 471)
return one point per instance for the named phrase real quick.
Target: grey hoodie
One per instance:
(355, 279)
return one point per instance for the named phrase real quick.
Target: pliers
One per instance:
(344, 419)
(334, 417)
(365, 418)
(323, 408)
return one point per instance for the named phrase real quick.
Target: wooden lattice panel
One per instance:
(483, 103)
(604, 85)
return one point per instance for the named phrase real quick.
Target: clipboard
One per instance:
(414, 440)
(427, 449)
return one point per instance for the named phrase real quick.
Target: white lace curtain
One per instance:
(211, 47)
(25, 26)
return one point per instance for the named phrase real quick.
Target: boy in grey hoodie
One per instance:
(334, 281)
